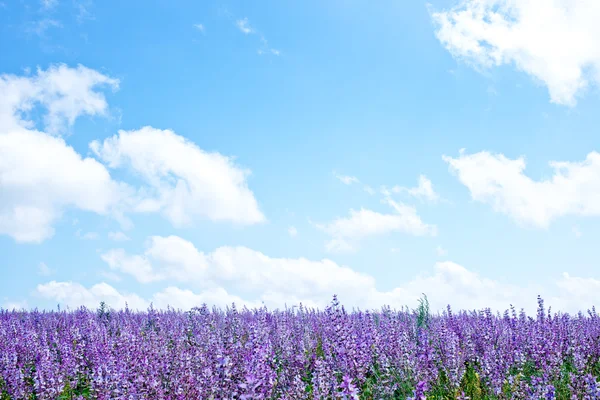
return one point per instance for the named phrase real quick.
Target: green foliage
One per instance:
(307, 379)
(404, 391)
(530, 370)
(423, 313)
(3, 390)
(563, 391)
(29, 372)
(103, 312)
(594, 368)
(441, 389)
(367, 391)
(319, 349)
(471, 385)
(83, 388)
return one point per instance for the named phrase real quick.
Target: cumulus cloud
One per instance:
(553, 41)
(64, 92)
(185, 182)
(75, 295)
(136, 266)
(248, 277)
(41, 174)
(185, 299)
(15, 305)
(175, 259)
(573, 189)
(346, 232)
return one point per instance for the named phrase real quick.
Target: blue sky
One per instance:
(281, 152)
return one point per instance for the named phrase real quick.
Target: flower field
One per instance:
(298, 354)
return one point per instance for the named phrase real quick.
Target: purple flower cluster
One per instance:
(298, 354)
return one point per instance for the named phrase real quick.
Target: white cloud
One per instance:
(118, 236)
(266, 49)
(244, 26)
(424, 190)
(136, 266)
(256, 278)
(369, 190)
(185, 299)
(573, 189)
(15, 305)
(553, 41)
(292, 231)
(87, 235)
(64, 92)
(186, 182)
(346, 180)
(347, 231)
(575, 293)
(44, 270)
(200, 27)
(40, 27)
(41, 174)
(175, 259)
(74, 295)
(47, 4)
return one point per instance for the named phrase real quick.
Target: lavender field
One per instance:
(298, 354)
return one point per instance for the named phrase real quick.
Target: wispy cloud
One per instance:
(83, 12)
(40, 27)
(200, 27)
(424, 190)
(266, 49)
(346, 179)
(86, 236)
(347, 232)
(48, 4)
(244, 26)
(369, 190)
(275, 52)
(118, 236)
